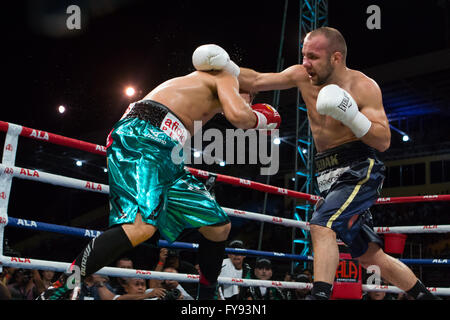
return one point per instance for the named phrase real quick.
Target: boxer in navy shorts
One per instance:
(346, 117)
(350, 178)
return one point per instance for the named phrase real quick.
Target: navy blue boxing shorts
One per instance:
(350, 178)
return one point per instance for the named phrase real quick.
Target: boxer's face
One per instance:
(317, 59)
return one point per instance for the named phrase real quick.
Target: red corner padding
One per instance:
(348, 283)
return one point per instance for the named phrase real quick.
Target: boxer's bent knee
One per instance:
(372, 256)
(138, 231)
(216, 233)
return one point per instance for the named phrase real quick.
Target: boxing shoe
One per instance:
(60, 291)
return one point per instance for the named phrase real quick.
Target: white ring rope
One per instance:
(8, 170)
(37, 175)
(182, 277)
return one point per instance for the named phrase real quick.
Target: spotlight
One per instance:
(222, 163)
(130, 91)
(404, 135)
(277, 141)
(61, 109)
(79, 163)
(105, 170)
(197, 154)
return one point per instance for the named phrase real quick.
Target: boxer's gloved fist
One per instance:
(212, 57)
(339, 104)
(266, 116)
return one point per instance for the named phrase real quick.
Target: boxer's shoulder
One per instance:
(362, 87)
(361, 81)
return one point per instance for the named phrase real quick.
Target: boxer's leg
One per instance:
(326, 260)
(111, 244)
(100, 252)
(395, 272)
(190, 205)
(210, 256)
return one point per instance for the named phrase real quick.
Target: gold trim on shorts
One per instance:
(352, 196)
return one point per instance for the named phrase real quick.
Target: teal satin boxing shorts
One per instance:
(143, 178)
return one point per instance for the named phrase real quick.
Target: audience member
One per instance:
(22, 286)
(377, 295)
(136, 289)
(263, 271)
(299, 294)
(233, 267)
(174, 290)
(171, 258)
(90, 288)
(116, 284)
(4, 292)
(43, 279)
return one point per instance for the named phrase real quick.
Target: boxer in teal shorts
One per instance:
(169, 198)
(149, 191)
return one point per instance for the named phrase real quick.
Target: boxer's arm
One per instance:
(371, 105)
(235, 109)
(253, 81)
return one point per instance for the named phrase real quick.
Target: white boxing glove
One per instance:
(212, 57)
(339, 104)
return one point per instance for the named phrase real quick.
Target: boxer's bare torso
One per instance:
(193, 97)
(328, 132)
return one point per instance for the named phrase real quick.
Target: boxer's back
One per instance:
(191, 97)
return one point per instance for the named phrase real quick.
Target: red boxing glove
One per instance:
(266, 116)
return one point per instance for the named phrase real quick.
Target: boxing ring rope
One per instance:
(81, 232)
(9, 171)
(36, 175)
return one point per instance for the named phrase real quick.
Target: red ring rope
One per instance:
(98, 149)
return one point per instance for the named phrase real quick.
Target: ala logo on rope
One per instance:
(27, 223)
(277, 284)
(24, 260)
(382, 229)
(29, 173)
(93, 186)
(440, 261)
(100, 148)
(39, 135)
(91, 233)
(143, 272)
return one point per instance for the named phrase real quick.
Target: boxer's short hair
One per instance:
(336, 40)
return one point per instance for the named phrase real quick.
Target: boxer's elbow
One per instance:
(384, 146)
(379, 137)
(249, 80)
(384, 143)
(241, 119)
(244, 121)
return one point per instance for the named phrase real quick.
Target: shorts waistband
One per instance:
(161, 117)
(343, 155)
